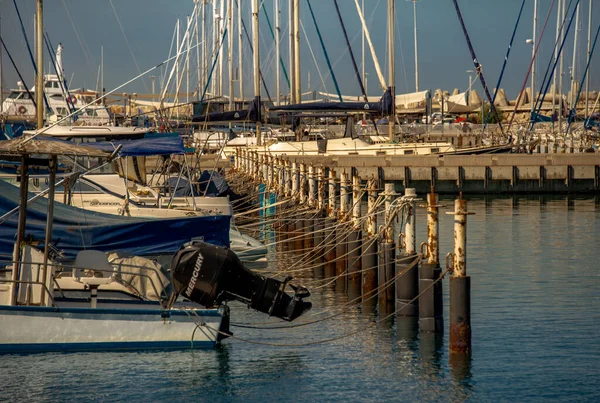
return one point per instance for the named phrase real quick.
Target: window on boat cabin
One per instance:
(61, 111)
(15, 95)
(91, 112)
(380, 153)
(408, 152)
(435, 150)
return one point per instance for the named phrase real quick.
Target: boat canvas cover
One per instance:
(167, 145)
(76, 229)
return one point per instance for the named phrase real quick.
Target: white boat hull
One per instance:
(30, 328)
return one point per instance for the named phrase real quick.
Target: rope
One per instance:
(332, 339)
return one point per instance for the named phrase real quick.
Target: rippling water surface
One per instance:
(535, 270)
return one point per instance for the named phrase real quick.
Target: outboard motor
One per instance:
(209, 274)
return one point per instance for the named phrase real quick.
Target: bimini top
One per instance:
(47, 146)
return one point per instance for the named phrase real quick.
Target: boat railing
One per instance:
(29, 284)
(115, 274)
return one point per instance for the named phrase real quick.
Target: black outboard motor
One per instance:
(209, 274)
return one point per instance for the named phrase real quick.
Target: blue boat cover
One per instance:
(163, 145)
(212, 183)
(76, 229)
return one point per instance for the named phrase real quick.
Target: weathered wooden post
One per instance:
(341, 247)
(354, 241)
(369, 247)
(431, 303)
(407, 283)
(295, 182)
(330, 234)
(386, 267)
(460, 284)
(309, 224)
(319, 224)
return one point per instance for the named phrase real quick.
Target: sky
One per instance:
(141, 36)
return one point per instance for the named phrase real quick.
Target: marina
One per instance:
(245, 234)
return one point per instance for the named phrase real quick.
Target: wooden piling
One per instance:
(431, 303)
(460, 284)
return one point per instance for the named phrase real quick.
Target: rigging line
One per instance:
(83, 48)
(12, 61)
(354, 38)
(285, 74)
(368, 38)
(25, 36)
(127, 42)
(550, 72)
(343, 336)
(358, 77)
(574, 110)
(316, 64)
(45, 129)
(477, 65)
(505, 63)
(337, 88)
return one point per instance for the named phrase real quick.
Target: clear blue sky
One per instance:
(83, 26)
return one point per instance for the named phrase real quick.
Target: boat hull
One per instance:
(41, 329)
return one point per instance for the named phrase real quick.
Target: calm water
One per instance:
(535, 316)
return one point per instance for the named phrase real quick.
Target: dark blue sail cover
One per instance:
(76, 229)
(155, 145)
(252, 114)
(382, 107)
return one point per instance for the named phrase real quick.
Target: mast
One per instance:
(417, 47)
(221, 31)
(1, 75)
(187, 60)
(558, 20)
(39, 92)
(240, 50)
(572, 99)
(533, 48)
(277, 51)
(362, 10)
(561, 69)
(256, 65)
(203, 80)
(230, 52)
(589, 55)
(215, 41)
(297, 72)
(291, 53)
(392, 66)
(101, 72)
(177, 63)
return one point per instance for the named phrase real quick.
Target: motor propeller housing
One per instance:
(209, 275)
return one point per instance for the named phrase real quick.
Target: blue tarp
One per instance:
(143, 147)
(75, 229)
(216, 187)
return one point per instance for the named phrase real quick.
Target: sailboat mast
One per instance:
(574, 60)
(203, 72)
(230, 53)
(297, 71)
(533, 48)
(240, 49)
(558, 20)
(291, 52)
(392, 66)
(277, 51)
(221, 32)
(563, 13)
(39, 91)
(256, 65)
(1, 74)
(589, 55)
